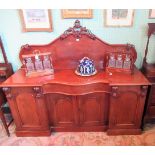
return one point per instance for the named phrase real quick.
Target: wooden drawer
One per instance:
(75, 90)
(151, 111)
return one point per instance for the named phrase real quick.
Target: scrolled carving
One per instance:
(143, 91)
(26, 46)
(114, 91)
(7, 91)
(38, 91)
(77, 31)
(129, 46)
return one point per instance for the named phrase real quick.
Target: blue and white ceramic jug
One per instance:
(86, 67)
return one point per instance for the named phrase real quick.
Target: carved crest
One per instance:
(77, 31)
(26, 46)
(129, 46)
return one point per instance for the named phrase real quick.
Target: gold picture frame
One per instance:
(152, 13)
(36, 20)
(77, 13)
(118, 17)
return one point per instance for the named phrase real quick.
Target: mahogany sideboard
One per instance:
(65, 101)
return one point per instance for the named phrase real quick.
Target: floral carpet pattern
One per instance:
(79, 138)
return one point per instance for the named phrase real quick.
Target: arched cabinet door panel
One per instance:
(93, 109)
(62, 110)
(26, 105)
(28, 109)
(126, 107)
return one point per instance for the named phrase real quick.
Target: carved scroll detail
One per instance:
(114, 91)
(26, 46)
(129, 46)
(77, 31)
(7, 91)
(38, 91)
(143, 90)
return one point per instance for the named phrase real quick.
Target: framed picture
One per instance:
(77, 13)
(119, 17)
(36, 20)
(152, 13)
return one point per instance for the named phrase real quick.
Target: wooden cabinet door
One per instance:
(126, 107)
(62, 110)
(93, 109)
(28, 108)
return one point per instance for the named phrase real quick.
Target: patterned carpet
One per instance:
(79, 138)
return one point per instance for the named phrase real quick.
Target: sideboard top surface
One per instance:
(68, 77)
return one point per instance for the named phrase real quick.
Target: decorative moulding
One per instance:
(77, 31)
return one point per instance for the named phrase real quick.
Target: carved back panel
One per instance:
(74, 44)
